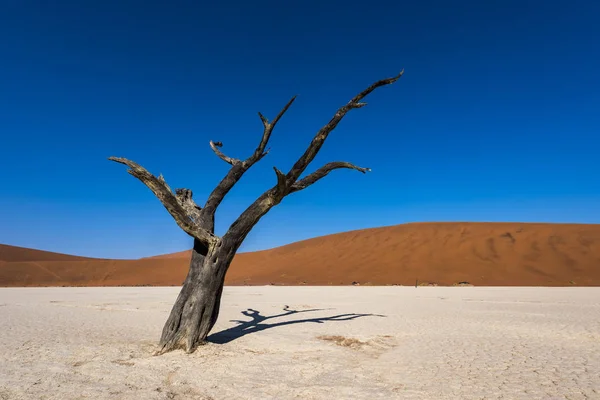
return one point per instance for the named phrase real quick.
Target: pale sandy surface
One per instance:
(430, 343)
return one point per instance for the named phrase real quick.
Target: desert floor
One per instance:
(305, 343)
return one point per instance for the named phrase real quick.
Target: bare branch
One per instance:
(264, 120)
(240, 228)
(215, 147)
(238, 169)
(268, 129)
(290, 183)
(322, 172)
(322, 134)
(173, 205)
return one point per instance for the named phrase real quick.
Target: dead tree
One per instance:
(197, 307)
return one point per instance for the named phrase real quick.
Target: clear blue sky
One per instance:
(496, 118)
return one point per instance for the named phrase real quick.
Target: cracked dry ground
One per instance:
(424, 343)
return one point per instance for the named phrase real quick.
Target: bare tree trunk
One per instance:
(196, 309)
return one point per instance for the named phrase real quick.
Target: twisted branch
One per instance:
(177, 206)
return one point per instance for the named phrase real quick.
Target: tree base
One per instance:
(196, 309)
(192, 318)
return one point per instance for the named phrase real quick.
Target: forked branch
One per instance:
(199, 223)
(179, 206)
(289, 182)
(238, 168)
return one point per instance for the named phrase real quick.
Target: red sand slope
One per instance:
(16, 254)
(484, 254)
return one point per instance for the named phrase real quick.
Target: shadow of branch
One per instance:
(256, 324)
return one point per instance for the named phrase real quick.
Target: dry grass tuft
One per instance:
(343, 341)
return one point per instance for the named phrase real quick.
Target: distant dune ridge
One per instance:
(483, 254)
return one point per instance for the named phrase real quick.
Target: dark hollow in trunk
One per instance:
(196, 309)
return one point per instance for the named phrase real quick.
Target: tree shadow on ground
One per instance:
(256, 324)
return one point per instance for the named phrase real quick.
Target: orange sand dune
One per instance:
(484, 254)
(16, 254)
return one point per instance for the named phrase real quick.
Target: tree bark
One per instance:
(196, 309)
